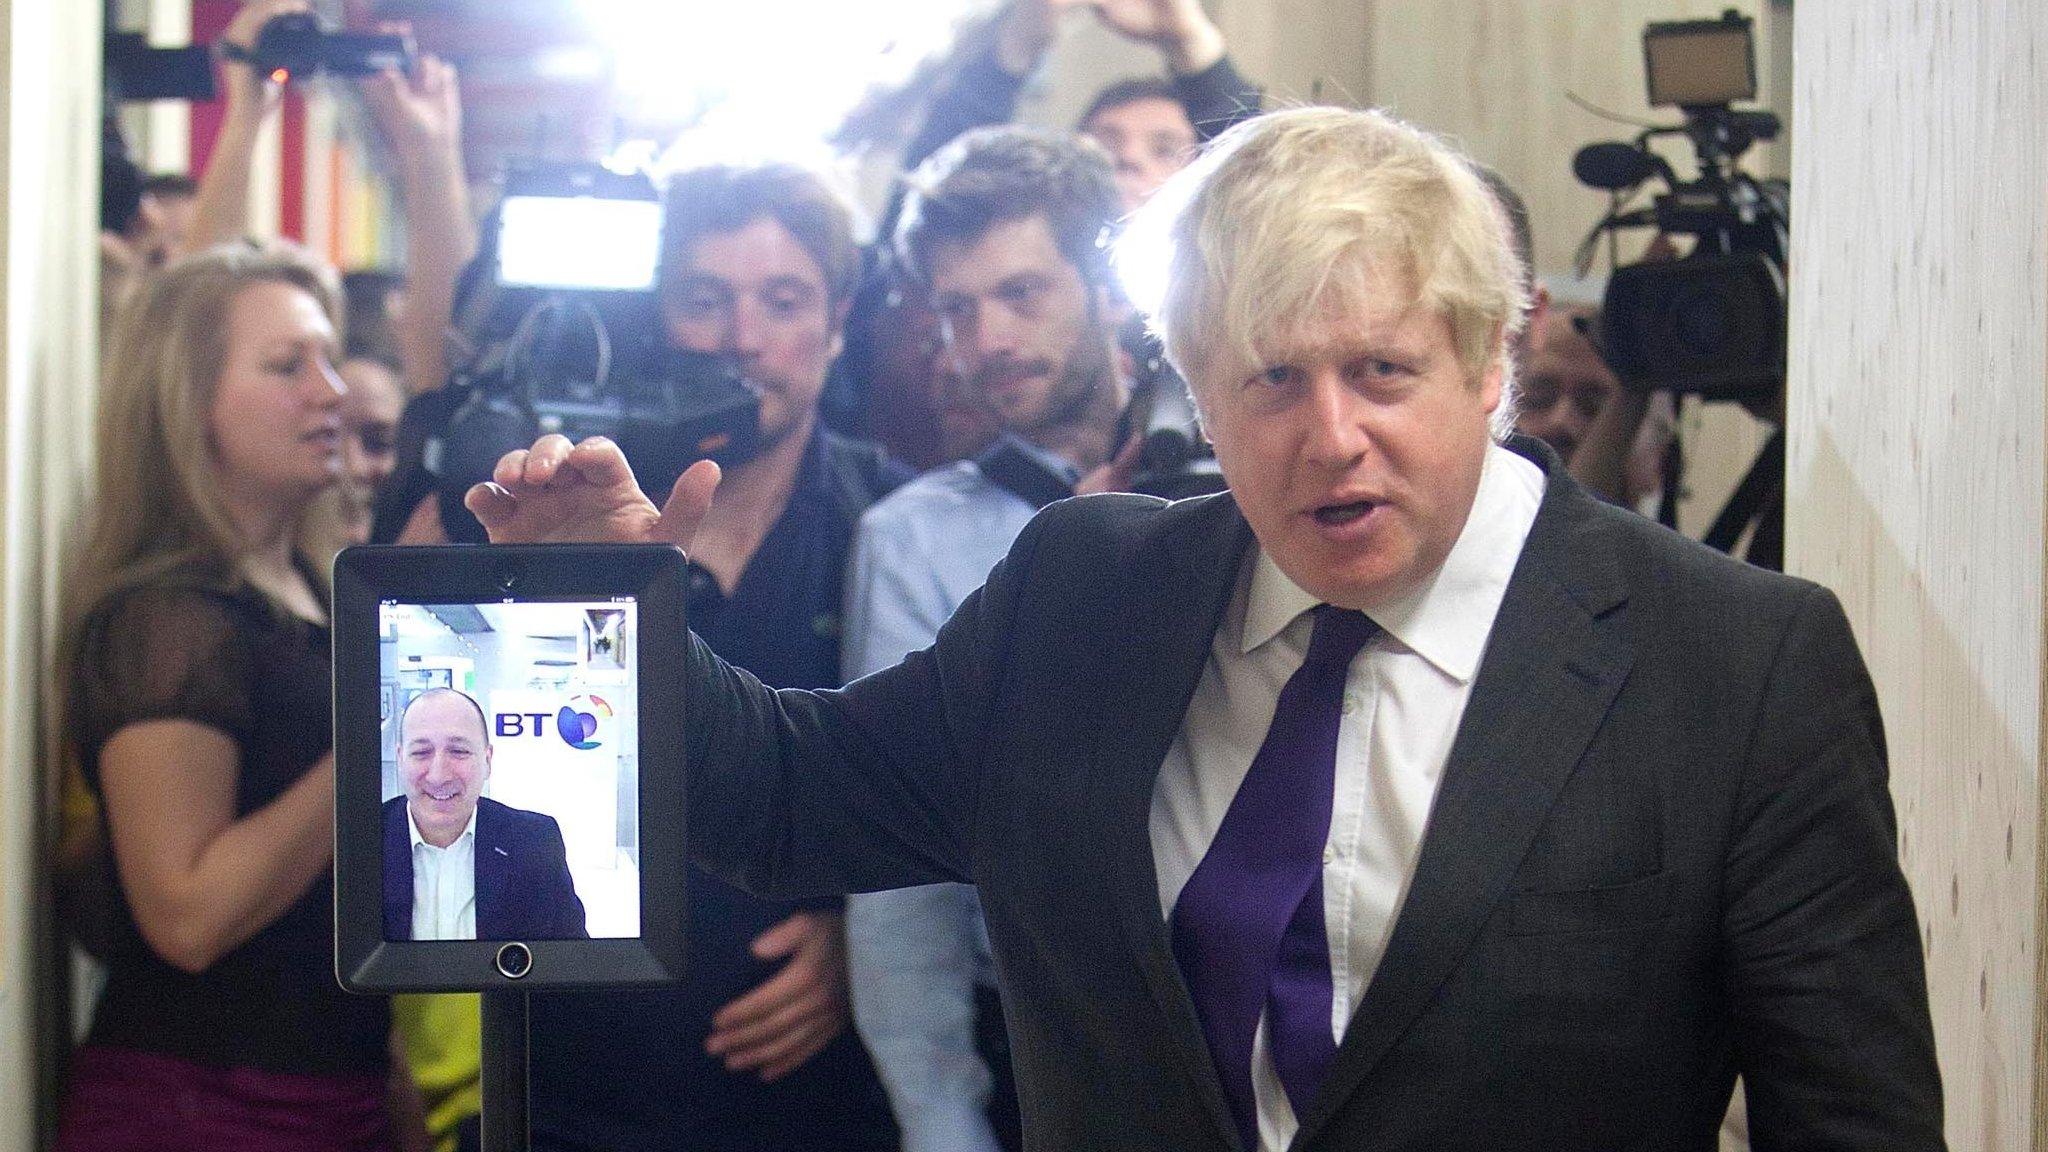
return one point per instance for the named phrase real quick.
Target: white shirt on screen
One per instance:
(443, 885)
(1403, 698)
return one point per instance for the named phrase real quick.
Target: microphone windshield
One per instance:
(1612, 167)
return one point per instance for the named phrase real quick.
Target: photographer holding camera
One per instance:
(414, 101)
(220, 210)
(752, 1050)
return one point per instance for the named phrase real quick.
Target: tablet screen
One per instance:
(510, 799)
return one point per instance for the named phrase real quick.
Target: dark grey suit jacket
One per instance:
(1662, 853)
(523, 887)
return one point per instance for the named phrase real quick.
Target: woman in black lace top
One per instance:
(197, 701)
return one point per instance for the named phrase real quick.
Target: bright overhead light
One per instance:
(766, 70)
(1144, 249)
(569, 64)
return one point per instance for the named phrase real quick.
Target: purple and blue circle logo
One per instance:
(578, 721)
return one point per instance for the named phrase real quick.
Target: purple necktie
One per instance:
(1248, 927)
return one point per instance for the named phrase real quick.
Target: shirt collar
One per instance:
(811, 473)
(1047, 459)
(810, 497)
(468, 830)
(1447, 619)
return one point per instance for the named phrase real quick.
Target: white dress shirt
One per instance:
(915, 955)
(1403, 698)
(443, 885)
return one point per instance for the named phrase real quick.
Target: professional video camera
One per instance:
(562, 332)
(1176, 461)
(1713, 323)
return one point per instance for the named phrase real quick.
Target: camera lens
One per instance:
(1702, 321)
(292, 42)
(508, 579)
(514, 961)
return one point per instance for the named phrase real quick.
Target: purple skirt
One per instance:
(121, 1099)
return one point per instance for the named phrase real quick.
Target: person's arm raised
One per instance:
(1180, 29)
(221, 207)
(421, 117)
(1208, 86)
(558, 492)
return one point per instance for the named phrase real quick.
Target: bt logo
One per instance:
(576, 723)
(579, 728)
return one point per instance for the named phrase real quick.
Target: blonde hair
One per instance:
(157, 514)
(1295, 216)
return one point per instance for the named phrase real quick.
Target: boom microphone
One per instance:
(1613, 167)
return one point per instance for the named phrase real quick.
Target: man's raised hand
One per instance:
(1026, 34)
(1180, 29)
(419, 115)
(558, 492)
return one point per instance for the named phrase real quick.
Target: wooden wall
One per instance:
(1920, 357)
(1495, 75)
(49, 154)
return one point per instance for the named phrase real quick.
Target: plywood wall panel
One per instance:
(1494, 74)
(1302, 51)
(1916, 476)
(49, 291)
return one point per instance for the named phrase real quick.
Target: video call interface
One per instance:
(511, 786)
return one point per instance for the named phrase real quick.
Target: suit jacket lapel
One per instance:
(491, 866)
(1155, 668)
(1552, 669)
(397, 872)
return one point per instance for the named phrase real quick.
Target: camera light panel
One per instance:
(579, 243)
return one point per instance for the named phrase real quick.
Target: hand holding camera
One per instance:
(1180, 29)
(419, 113)
(250, 87)
(267, 44)
(282, 39)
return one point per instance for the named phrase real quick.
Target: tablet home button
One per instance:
(514, 961)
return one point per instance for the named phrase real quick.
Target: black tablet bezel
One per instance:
(656, 577)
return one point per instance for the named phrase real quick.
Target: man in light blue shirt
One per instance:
(1003, 228)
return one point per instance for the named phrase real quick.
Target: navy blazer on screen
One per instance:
(1662, 853)
(523, 887)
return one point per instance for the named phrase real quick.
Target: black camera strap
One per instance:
(1759, 500)
(1014, 470)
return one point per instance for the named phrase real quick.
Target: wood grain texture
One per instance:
(1916, 477)
(1493, 76)
(49, 152)
(1303, 51)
